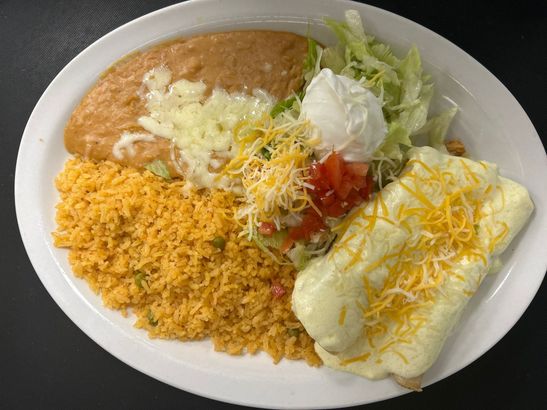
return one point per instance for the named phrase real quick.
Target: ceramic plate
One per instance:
(488, 121)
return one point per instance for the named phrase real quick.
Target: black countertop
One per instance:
(48, 362)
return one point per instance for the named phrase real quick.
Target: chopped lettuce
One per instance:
(414, 116)
(405, 90)
(289, 103)
(265, 249)
(333, 59)
(396, 136)
(351, 33)
(415, 93)
(312, 63)
(273, 241)
(299, 256)
(436, 128)
(400, 83)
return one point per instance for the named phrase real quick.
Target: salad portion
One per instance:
(391, 239)
(324, 150)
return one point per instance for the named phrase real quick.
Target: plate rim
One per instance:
(63, 303)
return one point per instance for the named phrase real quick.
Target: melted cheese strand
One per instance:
(277, 185)
(446, 236)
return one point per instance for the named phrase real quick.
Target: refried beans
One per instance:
(238, 61)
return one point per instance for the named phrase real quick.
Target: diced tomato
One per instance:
(266, 229)
(318, 176)
(357, 181)
(311, 223)
(338, 187)
(316, 170)
(366, 191)
(334, 167)
(278, 290)
(327, 200)
(335, 210)
(357, 168)
(344, 189)
(353, 199)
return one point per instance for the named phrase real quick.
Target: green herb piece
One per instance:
(151, 319)
(219, 242)
(286, 104)
(139, 278)
(159, 168)
(294, 332)
(266, 153)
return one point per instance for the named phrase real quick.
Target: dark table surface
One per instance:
(48, 362)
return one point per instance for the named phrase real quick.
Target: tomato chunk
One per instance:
(311, 223)
(318, 174)
(327, 199)
(335, 210)
(344, 189)
(266, 228)
(339, 185)
(278, 290)
(334, 167)
(357, 168)
(366, 191)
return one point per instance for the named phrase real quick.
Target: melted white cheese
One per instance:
(201, 127)
(126, 141)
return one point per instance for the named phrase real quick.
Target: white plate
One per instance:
(491, 122)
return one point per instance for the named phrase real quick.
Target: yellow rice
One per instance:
(119, 223)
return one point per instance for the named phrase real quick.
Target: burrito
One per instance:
(385, 298)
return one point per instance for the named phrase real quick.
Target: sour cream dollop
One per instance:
(348, 117)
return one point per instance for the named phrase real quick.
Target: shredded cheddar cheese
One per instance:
(271, 162)
(444, 233)
(342, 317)
(361, 358)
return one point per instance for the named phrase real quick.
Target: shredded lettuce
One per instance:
(436, 128)
(266, 243)
(265, 249)
(311, 67)
(273, 241)
(299, 256)
(397, 135)
(312, 63)
(405, 90)
(289, 103)
(333, 59)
